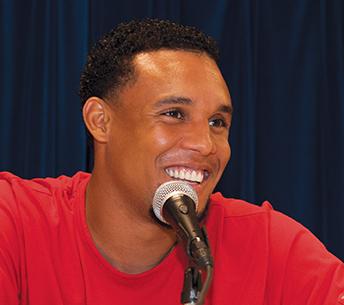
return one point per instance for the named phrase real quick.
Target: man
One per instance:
(158, 109)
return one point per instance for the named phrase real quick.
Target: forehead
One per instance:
(162, 62)
(164, 73)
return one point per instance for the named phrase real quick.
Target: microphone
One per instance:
(175, 203)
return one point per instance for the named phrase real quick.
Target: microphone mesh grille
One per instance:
(169, 189)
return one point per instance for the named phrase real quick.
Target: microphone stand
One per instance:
(194, 290)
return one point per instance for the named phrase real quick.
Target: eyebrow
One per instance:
(171, 100)
(226, 109)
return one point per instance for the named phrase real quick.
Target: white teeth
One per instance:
(194, 175)
(199, 177)
(185, 174)
(175, 174)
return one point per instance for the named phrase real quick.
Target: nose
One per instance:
(198, 137)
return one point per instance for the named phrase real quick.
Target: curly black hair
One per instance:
(109, 64)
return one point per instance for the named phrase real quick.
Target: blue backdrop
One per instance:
(284, 63)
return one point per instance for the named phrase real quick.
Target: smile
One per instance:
(187, 174)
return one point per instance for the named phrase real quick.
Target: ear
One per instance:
(97, 118)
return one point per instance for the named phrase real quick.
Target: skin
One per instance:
(176, 113)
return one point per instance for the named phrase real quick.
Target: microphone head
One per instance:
(169, 189)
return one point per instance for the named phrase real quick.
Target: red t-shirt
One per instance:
(47, 256)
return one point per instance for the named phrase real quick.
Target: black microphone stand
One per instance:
(194, 290)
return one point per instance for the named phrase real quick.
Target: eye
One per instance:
(218, 123)
(174, 113)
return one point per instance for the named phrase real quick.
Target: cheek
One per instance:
(161, 139)
(229, 152)
(224, 153)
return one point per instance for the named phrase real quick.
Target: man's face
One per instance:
(171, 123)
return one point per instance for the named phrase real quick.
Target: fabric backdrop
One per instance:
(283, 61)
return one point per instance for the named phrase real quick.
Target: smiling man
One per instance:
(172, 122)
(158, 109)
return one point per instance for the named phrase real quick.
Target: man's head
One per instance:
(109, 65)
(158, 113)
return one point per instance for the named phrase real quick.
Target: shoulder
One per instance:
(31, 214)
(282, 230)
(232, 207)
(13, 187)
(22, 197)
(299, 265)
(11, 183)
(287, 239)
(28, 207)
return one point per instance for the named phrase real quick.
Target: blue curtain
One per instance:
(43, 47)
(284, 63)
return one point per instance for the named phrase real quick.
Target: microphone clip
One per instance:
(198, 250)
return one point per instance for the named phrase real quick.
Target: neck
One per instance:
(129, 242)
